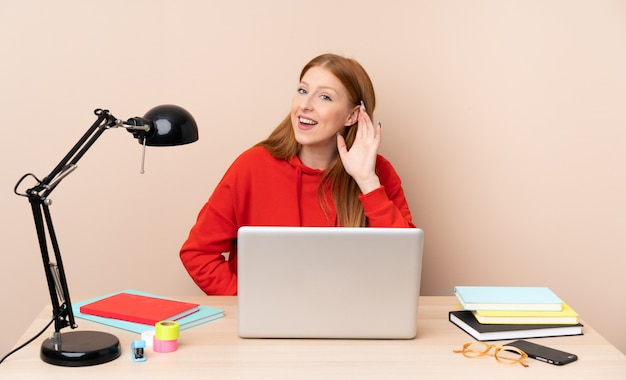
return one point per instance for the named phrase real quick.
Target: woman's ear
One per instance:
(353, 117)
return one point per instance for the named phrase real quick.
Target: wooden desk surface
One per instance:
(214, 350)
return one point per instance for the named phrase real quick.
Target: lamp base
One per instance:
(81, 348)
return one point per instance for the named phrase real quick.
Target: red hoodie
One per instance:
(261, 190)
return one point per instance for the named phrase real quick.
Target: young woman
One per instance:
(319, 167)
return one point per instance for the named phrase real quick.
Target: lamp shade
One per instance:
(172, 125)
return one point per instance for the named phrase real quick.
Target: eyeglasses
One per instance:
(503, 354)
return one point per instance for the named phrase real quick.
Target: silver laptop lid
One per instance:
(327, 282)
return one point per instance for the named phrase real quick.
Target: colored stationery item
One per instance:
(465, 320)
(203, 315)
(508, 298)
(139, 308)
(566, 316)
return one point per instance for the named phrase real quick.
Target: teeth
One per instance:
(307, 121)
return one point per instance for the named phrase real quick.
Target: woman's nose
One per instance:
(305, 103)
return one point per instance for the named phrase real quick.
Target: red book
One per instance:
(139, 309)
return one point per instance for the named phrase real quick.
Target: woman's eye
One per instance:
(302, 91)
(325, 97)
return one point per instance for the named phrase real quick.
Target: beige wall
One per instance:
(505, 119)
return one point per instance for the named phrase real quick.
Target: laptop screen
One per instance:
(328, 282)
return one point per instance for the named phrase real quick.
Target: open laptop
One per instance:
(328, 282)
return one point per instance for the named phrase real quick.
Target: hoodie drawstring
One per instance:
(299, 193)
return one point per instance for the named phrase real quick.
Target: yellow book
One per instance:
(567, 316)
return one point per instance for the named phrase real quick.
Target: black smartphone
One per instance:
(543, 353)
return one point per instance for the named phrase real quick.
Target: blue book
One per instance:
(508, 298)
(203, 315)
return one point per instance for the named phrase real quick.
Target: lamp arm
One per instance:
(55, 274)
(38, 198)
(104, 121)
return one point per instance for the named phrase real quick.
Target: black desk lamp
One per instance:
(165, 125)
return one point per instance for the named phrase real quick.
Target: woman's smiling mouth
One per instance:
(305, 123)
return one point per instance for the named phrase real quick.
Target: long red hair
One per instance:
(281, 143)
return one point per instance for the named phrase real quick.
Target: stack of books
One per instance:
(139, 311)
(505, 312)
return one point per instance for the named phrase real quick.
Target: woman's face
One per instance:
(320, 109)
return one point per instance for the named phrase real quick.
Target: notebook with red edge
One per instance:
(139, 309)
